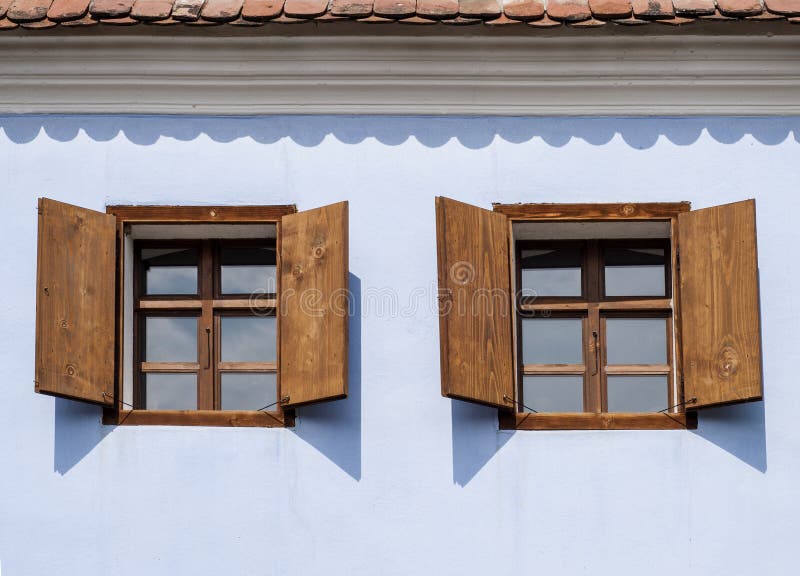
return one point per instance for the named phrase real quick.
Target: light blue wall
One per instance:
(397, 479)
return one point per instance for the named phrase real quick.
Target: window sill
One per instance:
(221, 418)
(594, 421)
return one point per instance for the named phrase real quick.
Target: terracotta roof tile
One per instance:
(611, 8)
(652, 9)
(261, 10)
(305, 8)
(694, 7)
(61, 10)
(218, 10)
(479, 8)
(352, 8)
(524, 9)
(438, 9)
(739, 7)
(28, 10)
(537, 13)
(151, 9)
(785, 7)
(187, 9)
(569, 10)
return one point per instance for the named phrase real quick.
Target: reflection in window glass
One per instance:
(169, 391)
(551, 271)
(170, 339)
(248, 270)
(553, 393)
(248, 391)
(249, 339)
(636, 340)
(635, 271)
(637, 393)
(552, 341)
(169, 271)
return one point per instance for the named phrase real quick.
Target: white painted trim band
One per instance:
(647, 75)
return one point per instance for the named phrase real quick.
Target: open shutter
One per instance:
(314, 308)
(474, 304)
(721, 339)
(75, 303)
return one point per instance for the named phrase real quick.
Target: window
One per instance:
(204, 315)
(598, 316)
(193, 315)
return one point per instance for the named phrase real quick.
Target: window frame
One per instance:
(676, 417)
(133, 215)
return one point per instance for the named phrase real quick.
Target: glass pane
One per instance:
(551, 271)
(635, 271)
(170, 339)
(637, 393)
(636, 340)
(552, 341)
(248, 270)
(553, 393)
(169, 391)
(169, 270)
(249, 339)
(248, 391)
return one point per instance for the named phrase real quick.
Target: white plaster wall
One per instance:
(397, 479)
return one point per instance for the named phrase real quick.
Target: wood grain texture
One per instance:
(475, 304)
(75, 303)
(234, 418)
(597, 421)
(200, 214)
(314, 309)
(615, 211)
(720, 325)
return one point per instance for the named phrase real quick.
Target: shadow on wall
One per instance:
(432, 132)
(476, 439)
(334, 428)
(740, 430)
(77, 431)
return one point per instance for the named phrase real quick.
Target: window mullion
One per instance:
(206, 398)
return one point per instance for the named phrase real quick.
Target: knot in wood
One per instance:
(627, 210)
(70, 370)
(318, 252)
(213, 213)
(297, 271)
(727, 362)
(63, 324)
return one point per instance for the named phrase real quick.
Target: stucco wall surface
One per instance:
(397, 479)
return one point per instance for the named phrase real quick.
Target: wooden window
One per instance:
(202, 322)
(622, 315)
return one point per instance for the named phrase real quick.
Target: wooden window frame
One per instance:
(594, 307)
(208, 307)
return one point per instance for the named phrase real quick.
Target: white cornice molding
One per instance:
(641, 75)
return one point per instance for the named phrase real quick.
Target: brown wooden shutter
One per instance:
(720, 331)
(314, 305)
(474, 304)
(75, 303)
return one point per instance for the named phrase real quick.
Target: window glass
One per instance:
(636, 340)
(635, 271)
(637, 393)
(248, 339)
(552, 341)
(551, 271)
(169, 271)
(248, 391)
(170, 339)
(553, 393)
(169, 391)
(248, 270)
